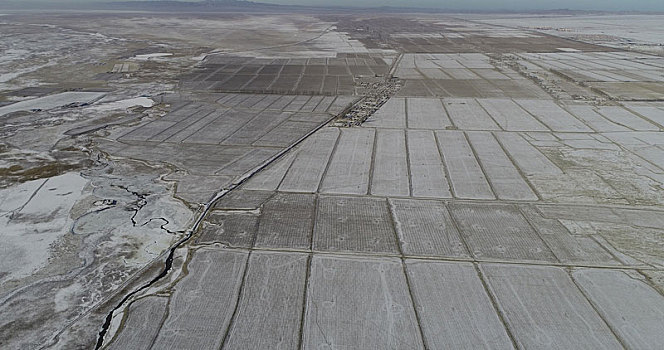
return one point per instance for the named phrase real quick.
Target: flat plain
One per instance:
(190, 184)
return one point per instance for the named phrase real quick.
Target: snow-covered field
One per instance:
(644, 32)
(123, 104)
(149, 56)
(34, 215)
(53, 101)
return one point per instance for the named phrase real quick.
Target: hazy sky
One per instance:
(608, 5)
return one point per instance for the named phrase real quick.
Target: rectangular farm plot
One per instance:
(269, 178)
(568, 248)
(392, 114)
(433, 73)
(256, 128)
(426, 113)
(251, 101)
(310, 117)
(282, 102)
(184, 112)
(518, 88)
(544, 309)
(236, 82)
(510, 116)
(632, 308)
(180, 131)
(359, 304)
(499, 231)
(270, 307)
(490, 73)
(448, 63)
(505, 179)
(466, 176)
(286, 133)
(301, 75)
(425, 228)
(350, 165)
(233, 230)
(553, 116)
(310, 84)
(324, 104)
(221, 128)
(622, 116)
(341, 103)
(412, 87)
(142, 324)
(528, 158)
(590, 116)
(260, 83)
(308, 167)
(203, 302)
(653, 113)
(467, 114)
(297, 103)
(284, 83)
(390, 169)
(311, 105)
(489, 89)
(354, 224)
(454, 308)
(286, 221)
(145, 132)
(427, 173)
(461, 73)
(242, 199)
(194, 127)
(247, 162)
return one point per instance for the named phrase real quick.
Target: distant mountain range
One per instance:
(243, 6)
(189, 6)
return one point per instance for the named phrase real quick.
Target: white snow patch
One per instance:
(124, 104)
(150, 56)
(52, 101)
(33, 216)
(63, 296)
